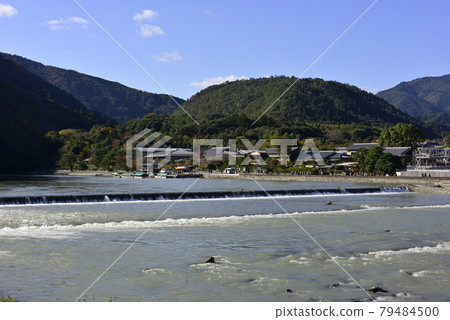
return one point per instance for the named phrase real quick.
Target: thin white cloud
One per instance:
(167, 56)
(77, 20)
(207, 12)
(7, 10)
(64, 23)
(148, 31)
(145, 15)
(212, 81)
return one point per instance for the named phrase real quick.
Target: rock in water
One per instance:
(377, 290)
(211, 260)
(402, 295)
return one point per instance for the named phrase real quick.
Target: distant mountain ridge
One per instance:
(106, 97)
(422, 96)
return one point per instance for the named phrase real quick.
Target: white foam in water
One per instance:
(396, 297)
(264, 281)
(69, 230)
(40, 231)
(434, 206)
(155, 271)
(440, 248)
(218, 269)
(37, 232)
(420, 273)
(5, 253)
(301, 260)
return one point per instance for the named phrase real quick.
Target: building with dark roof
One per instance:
(356, 146)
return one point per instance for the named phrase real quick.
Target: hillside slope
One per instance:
(423, 96)
(106, 97)
(30, 107)
(309, 100)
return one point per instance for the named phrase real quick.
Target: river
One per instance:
(286, 248)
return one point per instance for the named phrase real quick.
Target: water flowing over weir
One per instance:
(24, 200)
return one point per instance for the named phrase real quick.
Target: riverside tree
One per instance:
(401, 135)
(387, 164)
(371, 158)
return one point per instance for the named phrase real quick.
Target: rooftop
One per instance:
(397, 151)
(357, 146)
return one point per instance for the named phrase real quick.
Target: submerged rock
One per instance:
(401, 295)
(211, 260)
(377, 290)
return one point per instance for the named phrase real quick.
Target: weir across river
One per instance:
(24, 200)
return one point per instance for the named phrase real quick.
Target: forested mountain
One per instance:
(308, 101)
(333, 112)
(439, 121)
(106, 97)
(30, 107)
(423, 96)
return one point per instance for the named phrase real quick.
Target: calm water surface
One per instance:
(54, 252)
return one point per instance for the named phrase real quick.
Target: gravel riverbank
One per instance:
(426, 185)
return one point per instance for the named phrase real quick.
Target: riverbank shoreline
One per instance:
(414, 184)
(326, 178)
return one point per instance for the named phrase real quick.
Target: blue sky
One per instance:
(187, 45)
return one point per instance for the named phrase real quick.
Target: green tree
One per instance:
(360, 157)
(387, 164)
(67, 161)
(272, 164)
(363, 134)
(401, 135)
(371, 158)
